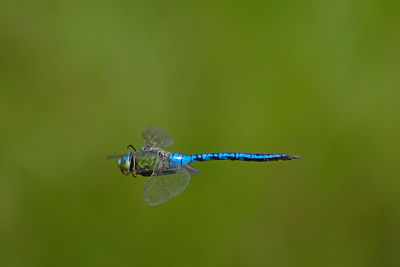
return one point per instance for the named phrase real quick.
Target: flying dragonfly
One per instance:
(170, 173)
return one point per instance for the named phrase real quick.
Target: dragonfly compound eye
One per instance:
(124, 164)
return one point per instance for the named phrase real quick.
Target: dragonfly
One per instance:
(170, 172)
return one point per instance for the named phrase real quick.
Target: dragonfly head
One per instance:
(125, 163)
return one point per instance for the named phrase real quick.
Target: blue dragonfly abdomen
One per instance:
(178, 159)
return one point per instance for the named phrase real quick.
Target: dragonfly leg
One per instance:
(134, 176)
(131, 147)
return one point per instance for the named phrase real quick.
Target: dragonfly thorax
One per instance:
(147, 160)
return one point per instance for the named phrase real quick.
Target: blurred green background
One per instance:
(81, 79)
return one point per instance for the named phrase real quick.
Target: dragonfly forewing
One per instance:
(157, 137)
(162, 187)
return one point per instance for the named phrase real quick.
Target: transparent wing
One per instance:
(191, 170)
(157, 137)
(164, 185)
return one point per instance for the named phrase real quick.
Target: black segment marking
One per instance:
(244, 157)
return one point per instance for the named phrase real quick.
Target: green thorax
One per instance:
(148, 160)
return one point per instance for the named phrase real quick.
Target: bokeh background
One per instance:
(320, 79)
